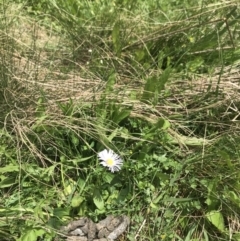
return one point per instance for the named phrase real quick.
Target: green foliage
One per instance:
(154, 86)
(173, 184)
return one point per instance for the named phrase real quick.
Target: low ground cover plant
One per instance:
(120, 108)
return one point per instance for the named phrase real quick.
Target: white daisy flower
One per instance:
(110, 160)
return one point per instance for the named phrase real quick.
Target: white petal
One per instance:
(105, 155)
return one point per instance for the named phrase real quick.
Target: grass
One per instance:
(156, 83)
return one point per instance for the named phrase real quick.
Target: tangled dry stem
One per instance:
(35, 75)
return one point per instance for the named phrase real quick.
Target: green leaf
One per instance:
(108, 177)
(79, 159)
(236, 237)
(176, 200)
(15, 210)
(140, 54)
(190, 233)
(7, 182)
(74, 139)
(61, 212)
(205, 235)
(112, 135)
(41, 107)
(157, 199)
(31, 234)
(104, 139)
(120, 115)
(163, 79)
(161, 124)
(154, 86)
(110, 83)
(216, 218)
(98, 200)
(67, 108)
(9, 168)
(123, 194)
(233, 197)
(116, 38)
(150, 89)
(212, 201)
(76, 201)
(154, 206)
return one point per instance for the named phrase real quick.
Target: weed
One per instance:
(157, 83)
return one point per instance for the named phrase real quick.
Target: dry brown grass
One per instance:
(41, 57)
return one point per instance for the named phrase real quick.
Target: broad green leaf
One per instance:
(9, 168)
(76, 201)
(154, 206)
(113, 197)
(163, 176)
(216, 218)
(61, 212)
(39, 232)
(232, 195)
(7, 182)
(98, 200)
(123, 194)
(29, 235)
(162, 124)
(157, 199)
(32, 234)
(69, 189)
(108, 177)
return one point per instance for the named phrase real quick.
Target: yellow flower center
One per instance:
(110, 162)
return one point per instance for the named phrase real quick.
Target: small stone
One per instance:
(104, 223)
(74, 224)
(91, 230)
(103, 233)
(85, 228)
(77, 238)
(102, 239)
(77, 232)
(113, 224)
(120, 229)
